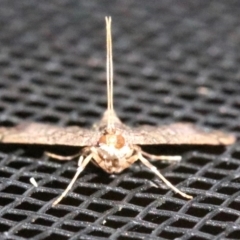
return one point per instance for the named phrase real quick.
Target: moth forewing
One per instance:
(110, 144)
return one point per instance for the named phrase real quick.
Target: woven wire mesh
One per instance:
(173, 61)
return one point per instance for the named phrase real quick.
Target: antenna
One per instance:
(109, 69)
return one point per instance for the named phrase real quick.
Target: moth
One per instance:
(110, 144)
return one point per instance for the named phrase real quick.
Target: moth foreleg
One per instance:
(161, 157)
(154, 169)
(82, 162)
(60, 157)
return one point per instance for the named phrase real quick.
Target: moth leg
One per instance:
(82, 162)
(157, 157)
(132, 159)
(154, 169)
(161, 157)
(60, 157)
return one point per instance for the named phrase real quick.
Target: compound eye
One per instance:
(103, 139)
(120, 141)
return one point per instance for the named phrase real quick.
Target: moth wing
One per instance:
(44, 134)
(176, 134)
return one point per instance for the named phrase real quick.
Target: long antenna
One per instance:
(109, 69)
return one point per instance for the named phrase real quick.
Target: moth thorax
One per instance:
(112, 140)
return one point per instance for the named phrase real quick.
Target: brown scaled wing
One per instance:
(178, 133)
(37, 133)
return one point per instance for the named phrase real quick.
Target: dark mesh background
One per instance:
(174, 61)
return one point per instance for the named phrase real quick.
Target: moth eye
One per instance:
(103, 139)
(120, 141)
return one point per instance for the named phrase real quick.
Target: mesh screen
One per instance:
(174, 61)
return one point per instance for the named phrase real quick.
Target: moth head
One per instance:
(113, 152)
